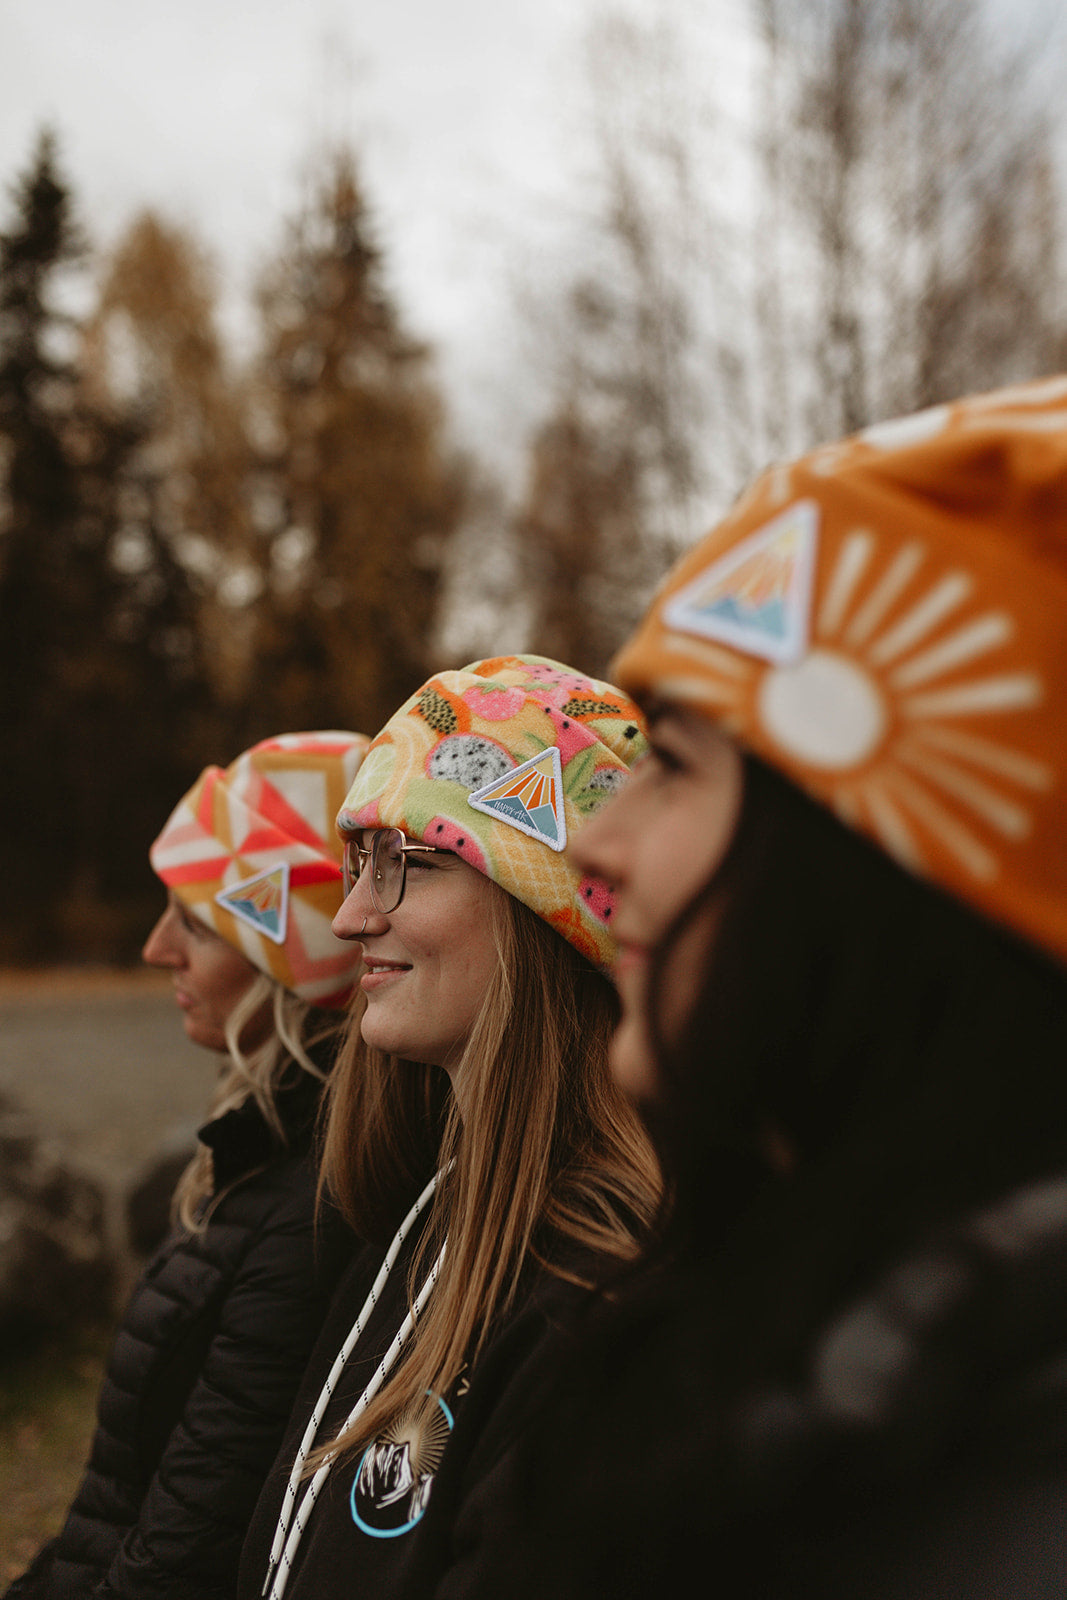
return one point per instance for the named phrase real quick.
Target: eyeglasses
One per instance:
(387, 853)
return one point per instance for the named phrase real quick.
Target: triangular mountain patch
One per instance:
(262, 902)
(529, 798)
(757, 597)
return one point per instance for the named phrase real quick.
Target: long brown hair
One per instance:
(549, 1154)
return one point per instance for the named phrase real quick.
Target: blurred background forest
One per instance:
(201, 545)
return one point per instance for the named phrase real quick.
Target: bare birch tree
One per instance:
(877, 228)
(912, 168)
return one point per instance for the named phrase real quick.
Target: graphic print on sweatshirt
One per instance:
(395, 1474)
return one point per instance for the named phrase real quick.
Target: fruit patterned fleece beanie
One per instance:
(502, 762)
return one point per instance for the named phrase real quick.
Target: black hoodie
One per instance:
(384, 1522)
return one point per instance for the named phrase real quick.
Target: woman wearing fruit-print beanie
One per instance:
(841, 906)
(484, 951)
(206, 1362)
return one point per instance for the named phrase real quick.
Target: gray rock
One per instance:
(55, 1265)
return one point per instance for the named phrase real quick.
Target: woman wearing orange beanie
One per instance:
(841, 886)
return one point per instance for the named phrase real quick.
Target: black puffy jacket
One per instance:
(202, 1375)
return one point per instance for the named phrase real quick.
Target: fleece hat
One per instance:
(885, 621)
(253, 853)
(501, 763)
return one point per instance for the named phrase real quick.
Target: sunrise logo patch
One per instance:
(530, 798)
(261, 902)
(396, 1473)
(757, 597)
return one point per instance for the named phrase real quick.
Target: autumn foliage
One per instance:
(194, 555)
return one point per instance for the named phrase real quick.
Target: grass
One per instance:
(47, 1411)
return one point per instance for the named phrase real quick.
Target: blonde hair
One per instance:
(298, 1028)
(549, 1153)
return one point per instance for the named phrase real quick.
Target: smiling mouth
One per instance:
(379, 972)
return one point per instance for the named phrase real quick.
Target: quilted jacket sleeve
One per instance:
(187, 1540)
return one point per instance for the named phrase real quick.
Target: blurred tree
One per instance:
(190, 559)
(357, 496)
(880, 228)
(581, 546)
(615, 475)
(48, 577)
(153, 353)
(912, 170)
(91, 649)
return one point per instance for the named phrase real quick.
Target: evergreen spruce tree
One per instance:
(40, 548)
(96, 643)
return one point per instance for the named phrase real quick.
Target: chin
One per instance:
(206, 1038)
(631, 1062)
(387, 1040)
(423, 1052)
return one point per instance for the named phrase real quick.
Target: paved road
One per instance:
(103, 1062)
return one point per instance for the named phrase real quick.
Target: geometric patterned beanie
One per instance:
(885, 621)
(252, 852)
(501, 763)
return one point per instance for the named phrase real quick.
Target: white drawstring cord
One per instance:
(307, 1504)
(286, 1540)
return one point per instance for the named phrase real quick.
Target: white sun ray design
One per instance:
(899, 761)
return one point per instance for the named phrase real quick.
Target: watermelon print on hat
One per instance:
(443, 768)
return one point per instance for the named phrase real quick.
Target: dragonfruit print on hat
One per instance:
(253, 853)
(885, 621)
(501, 762)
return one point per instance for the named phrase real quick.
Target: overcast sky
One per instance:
(467, 114)
(464, 112)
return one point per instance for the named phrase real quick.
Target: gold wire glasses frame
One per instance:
(387, 854)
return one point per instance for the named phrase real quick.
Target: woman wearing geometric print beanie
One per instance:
(203, 1371)
(841, 885)
(480, 1044)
